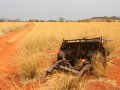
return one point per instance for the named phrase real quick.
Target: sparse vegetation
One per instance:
(6, 27)
(31, 61)
(62, 81)
(61, 19)
(39, 48)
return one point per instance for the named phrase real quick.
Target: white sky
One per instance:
(53, 9)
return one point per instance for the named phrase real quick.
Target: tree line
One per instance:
(61, 19)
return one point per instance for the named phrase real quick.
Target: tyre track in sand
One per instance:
(9, 45)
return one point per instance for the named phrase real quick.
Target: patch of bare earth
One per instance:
(8, 46)
(112, 77)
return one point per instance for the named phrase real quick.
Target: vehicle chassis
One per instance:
(80, 51)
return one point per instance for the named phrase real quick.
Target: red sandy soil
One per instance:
(112, 75)
(111, 81)
(101, 86)
(8, 46)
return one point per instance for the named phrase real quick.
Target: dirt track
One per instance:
(8, 46)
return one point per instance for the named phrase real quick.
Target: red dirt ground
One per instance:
(112, 74)
(8, 46)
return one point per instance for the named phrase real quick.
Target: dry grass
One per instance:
(34, 58)
(62, 81)
(31, 62)
(9, 80)
(55, 32)
(6, 27)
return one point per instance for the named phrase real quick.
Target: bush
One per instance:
(62, 81)
(31, 61)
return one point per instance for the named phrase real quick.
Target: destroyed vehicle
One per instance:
(81, 55)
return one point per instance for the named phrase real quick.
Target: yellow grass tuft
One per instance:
(62, 81)
(6, 27)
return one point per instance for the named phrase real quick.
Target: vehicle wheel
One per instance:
(99, 63)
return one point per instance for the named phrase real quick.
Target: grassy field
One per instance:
(41, 45)
(39, 48)
(6, 27)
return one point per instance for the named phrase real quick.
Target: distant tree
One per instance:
(108, 20)
(52, 20)
(61, 19)
(2, 20)
(114, 17)
(78, 21)
(36, 20)
(42, 21)
(31, 20)
(16, 20)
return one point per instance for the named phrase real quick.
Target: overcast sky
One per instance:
(53, 9)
